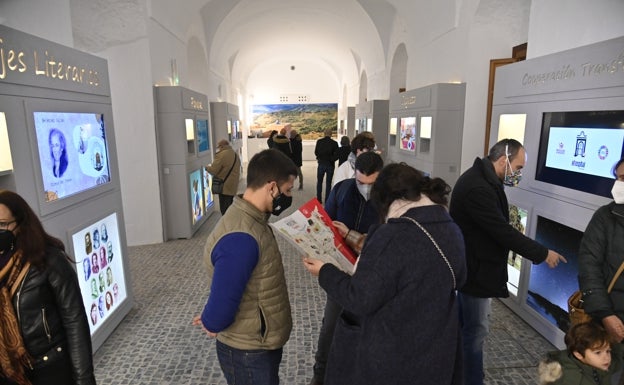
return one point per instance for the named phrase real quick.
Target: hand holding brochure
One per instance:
(311, 230)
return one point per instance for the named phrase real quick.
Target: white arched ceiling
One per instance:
(320, 31)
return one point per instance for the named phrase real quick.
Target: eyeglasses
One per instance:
(5, 225)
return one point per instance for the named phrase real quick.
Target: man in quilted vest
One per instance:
(248, 310)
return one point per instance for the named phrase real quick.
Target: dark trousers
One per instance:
(225, 201)
(326, 335)
(327, 171)
(249, 367)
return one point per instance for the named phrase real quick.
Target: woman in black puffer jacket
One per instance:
(44, 333)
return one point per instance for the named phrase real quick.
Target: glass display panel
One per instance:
(578, 149)
(208, 197)
(425, 127)
(6, 161)
(393, 126)
(197, 200)
(518, 219)
(101, 276)
(73, 154)
(408, 134)
(190, 129)
(511, 126)
(549, 289)
(203, 141)
(369, 125)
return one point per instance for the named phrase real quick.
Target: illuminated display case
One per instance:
(185, 147)
(372, 116)
(226, 125)
(429, 130)
(571, 128)
(67, 168)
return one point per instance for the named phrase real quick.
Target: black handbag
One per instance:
(217, 183)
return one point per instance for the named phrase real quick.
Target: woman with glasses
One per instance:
(44, 332)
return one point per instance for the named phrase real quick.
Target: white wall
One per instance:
(48, 19)
(558, 25)
(135, 131)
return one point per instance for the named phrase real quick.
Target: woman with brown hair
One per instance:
(44, 332)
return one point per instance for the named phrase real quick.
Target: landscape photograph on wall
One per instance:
(310, 120)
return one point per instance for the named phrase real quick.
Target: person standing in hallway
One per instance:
(326, 152)
(344, 150)
(600, 255)
(479, 207)
(226, 166)
(44, 331)
(400, 318)
(349, 204)
(296, 144)
(363, 142)
(248, 309)
(282, 142)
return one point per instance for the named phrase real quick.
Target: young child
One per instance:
(589, 359)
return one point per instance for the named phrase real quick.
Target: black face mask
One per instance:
(7, 241)
(281, 203)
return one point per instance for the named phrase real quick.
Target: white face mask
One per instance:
(618, 192)
(364, 189)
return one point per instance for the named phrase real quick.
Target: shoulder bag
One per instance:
(217, 183)
(437, 247)
(575, 302)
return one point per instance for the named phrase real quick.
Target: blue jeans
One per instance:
(249, 367)
(327, 171)
(475, 324)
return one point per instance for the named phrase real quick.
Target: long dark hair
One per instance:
(30, 238)
(401, 181)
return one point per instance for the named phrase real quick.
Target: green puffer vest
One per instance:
(263, 320)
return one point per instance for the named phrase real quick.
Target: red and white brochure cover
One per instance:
(311, 230)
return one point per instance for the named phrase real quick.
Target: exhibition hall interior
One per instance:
(139, 93)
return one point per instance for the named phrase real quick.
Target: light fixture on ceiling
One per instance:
(292, 68)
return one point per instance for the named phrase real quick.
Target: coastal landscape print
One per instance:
(310, 120)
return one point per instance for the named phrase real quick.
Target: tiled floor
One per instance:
(157, 345)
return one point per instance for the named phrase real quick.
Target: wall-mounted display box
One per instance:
(226, 125)
(567, 110)
(66, 167)
(373, 116)
(426, 126)
(185, 148)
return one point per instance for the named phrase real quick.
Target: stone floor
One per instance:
(157, 345)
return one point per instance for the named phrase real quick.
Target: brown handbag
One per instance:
(575, 302)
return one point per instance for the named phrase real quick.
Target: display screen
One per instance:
(197, 198)
(408, 134)
(518, 219)
(73, 152)
(203, 143)
(208, 197)
(549, 289)
(579, 149)
(100, 269)
(6, 162)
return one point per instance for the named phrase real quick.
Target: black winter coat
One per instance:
(479, 206)
(51, 313)
(600, 255)
(400, 323)
(296, 146)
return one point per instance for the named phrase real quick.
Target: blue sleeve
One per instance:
(234, 258)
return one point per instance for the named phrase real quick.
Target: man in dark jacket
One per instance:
(282, 142)
(296, 145)
(326, 151)
(348, 203)
(479, 206)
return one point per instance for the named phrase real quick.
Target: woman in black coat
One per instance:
(44, 332)
(400, 323)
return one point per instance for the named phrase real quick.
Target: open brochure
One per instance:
(310, 230)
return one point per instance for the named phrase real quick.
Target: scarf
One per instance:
(13, 355)
(400, 206)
